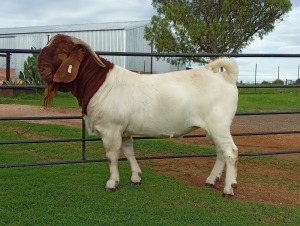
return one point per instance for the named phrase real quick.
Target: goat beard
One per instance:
(50, 92)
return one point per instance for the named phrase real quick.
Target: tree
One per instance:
(265, 83)
(211, 26)
(278, 82)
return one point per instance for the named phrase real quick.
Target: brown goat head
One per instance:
(59, 62)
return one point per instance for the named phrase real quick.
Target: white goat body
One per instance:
(162, 105)
(128, 104)
(167, 105)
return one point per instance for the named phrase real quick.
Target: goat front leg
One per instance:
(112, 145)
(127, 148)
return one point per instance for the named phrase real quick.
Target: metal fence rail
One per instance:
(239, 86)
(208, 55)
(136, 138)
(83, 140)
(143, 158)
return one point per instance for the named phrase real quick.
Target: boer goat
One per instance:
(119, 104)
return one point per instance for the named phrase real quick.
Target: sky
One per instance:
(283, 39)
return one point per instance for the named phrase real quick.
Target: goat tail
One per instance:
(231, 69)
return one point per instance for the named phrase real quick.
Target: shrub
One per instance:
(30, 74)
(265, 83)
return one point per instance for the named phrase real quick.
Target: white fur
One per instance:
(167, 105)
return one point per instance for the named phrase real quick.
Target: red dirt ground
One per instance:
(273, 182)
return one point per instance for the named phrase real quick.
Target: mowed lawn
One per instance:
(272, 99)
(250, 99)
(74, 194)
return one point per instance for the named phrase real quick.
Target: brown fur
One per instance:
(64, 74)
(85, 78)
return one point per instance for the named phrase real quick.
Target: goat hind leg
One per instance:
(127, 148)
(227, 154)
(231, 158)
(217, 170)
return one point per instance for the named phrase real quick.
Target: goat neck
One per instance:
(89, 79)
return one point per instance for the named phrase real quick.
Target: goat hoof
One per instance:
(227, 195)
(210, 185)
(234, 186)
(136, 179)
(110, 189)
(111, 185)
(135, 183)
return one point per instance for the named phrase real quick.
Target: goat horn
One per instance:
(77, 41)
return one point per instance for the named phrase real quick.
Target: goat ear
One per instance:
(68, 69)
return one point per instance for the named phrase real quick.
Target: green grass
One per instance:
(13, 130)
(37, 99)
(260, 100)
(74, 194)
(250, 100)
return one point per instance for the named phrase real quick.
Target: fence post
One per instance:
(255, 76)
(7, 67)
(83, 142)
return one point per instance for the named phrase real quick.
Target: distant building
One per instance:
(290, 82)
(111, 37)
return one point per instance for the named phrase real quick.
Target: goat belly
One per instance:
(162, 134)
(173, 125)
